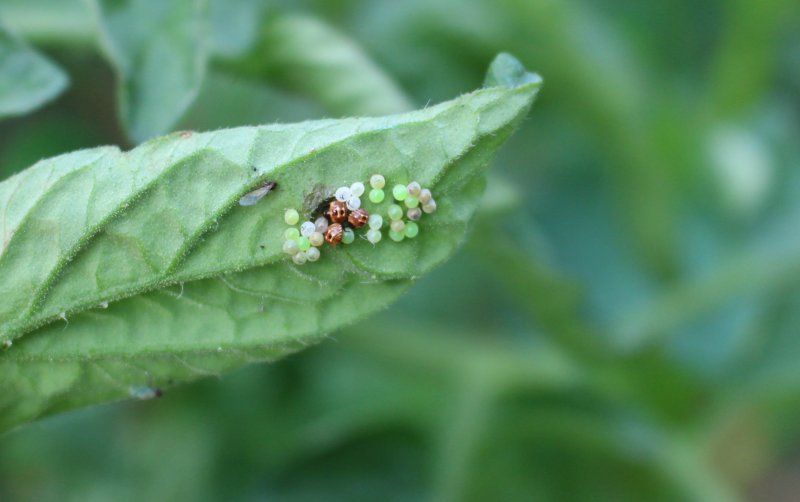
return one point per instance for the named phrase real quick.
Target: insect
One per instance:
(145, 392)
(334, 234)
(256, 195)
(358, 218)
(337, 211)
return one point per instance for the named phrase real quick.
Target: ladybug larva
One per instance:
(337, 211)
(358, 218)
(334, 234)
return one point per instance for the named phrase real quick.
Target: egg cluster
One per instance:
(342, 215)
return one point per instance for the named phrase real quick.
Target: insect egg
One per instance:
(429, 207)
(398, 226)
(303, 243)
(300, 258)
(376, 195)
(357, 189)
(307, 228)
(291, 247)
(337, 211)
(374, 235)
(375, 221)
(316, 239)
(411, 230)
(349, 236)
(312, 254)
(321, 224)
(414, 189)
(425, 196)
(411, 201)
(377, 181)
(395, 212)
(334, 234)
(400, 192)
(291, 233)
(353, 203)
(291, 217)
(414, 214)
(396, 236)
(343, 194)
(358, 218)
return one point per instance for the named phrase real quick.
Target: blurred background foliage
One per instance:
(622, 324)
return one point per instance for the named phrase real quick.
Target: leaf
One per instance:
(159, 51)
(123, 272)
(28, 80)
(235, 25)
(306, 55)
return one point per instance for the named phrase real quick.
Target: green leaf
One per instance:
(507, 71)
(159, 51)
(305, 55)
(28, 80)
(125, 272)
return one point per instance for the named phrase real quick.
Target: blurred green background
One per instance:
(623, 323)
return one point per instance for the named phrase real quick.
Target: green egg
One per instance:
(376, 195)
(348, 237)
(395, 212)
(400, 192)
(291, 217)
(411, 230)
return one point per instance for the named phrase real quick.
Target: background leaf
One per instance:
(159, 51)
(307, 56)
(165, 214)
(27, 79)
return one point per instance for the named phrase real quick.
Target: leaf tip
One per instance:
(506, 71)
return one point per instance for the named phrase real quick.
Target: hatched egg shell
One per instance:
(353, 203)
(343, 194)
(307, 228)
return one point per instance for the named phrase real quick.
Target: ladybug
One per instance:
(337, 211)
(334, 234)
(358, 218)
